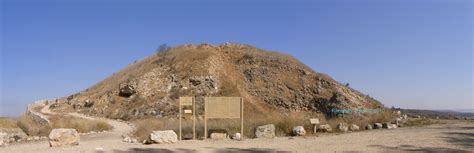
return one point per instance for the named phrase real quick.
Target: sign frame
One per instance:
(184, 101)
(207, 115)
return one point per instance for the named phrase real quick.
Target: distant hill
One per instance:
(442, 114)
(268, 82)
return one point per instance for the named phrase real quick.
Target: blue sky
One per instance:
(405, 53)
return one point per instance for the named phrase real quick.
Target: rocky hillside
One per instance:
(268, 81)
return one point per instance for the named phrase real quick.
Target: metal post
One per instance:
(194, 119)
(205, 118)
(180, 119)
(241, 119)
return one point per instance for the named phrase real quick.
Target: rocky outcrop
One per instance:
(126, 90)
(299, 131)
(63, 137)
(265, 131)
(160, 137)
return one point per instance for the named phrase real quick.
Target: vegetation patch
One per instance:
(33, 128)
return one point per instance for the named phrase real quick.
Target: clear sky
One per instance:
(405, 53)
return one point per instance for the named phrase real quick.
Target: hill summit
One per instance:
(268, 82)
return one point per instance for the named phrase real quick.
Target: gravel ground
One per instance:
(453, 136)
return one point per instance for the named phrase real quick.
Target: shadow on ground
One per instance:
(153, 150)
(410, 148)
(214, 150)
(465, 139)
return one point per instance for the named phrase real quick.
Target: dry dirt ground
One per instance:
(450, 136)
(453, 136)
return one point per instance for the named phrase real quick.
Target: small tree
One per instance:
(162, 48)
(347, 84)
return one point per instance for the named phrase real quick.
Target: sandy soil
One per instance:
(452, 136)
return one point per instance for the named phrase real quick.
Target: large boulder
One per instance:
(354, 127)
(342, 127)
(299, 131)
(167, 136)
(265, 131)
(62, 137)
(325, 128)
(377, 125)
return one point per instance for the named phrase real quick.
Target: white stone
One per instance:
(61, 137)
(237, 136)
(299, 131)
(167, 136)
(265, 131)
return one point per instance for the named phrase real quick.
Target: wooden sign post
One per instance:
(187, 101)
(224, 108)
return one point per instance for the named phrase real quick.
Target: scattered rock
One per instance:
(129, 139)
(218, 136)
(342, 127)
(4, 139)
(14, 134)
(299, 131)
(354, 127)
(387, 125)
(237, 136)
(368, 127)
(88, 103)
(61, 137)
(168, 136)
(405, 116)
(325, 128)
(265, 131)
(77, 106)
(36, 138)
(377, 125)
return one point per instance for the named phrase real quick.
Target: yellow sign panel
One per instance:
(223, 107)
(186, 101)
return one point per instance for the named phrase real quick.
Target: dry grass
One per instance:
(80, 124)
(8, 122)
(284, 123)
(419, 122)
(33, 128)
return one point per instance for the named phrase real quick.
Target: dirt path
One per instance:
(119, 128)
(453, 136)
